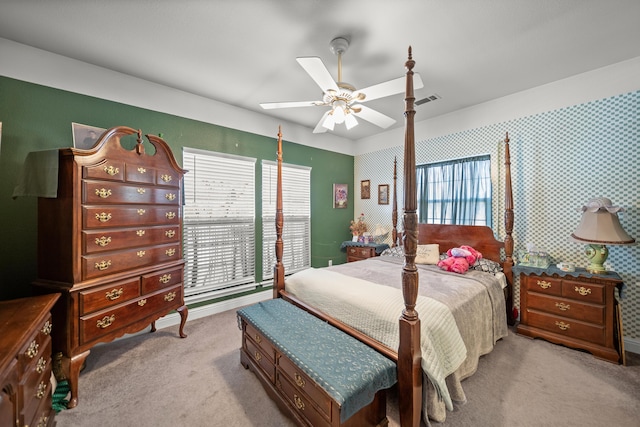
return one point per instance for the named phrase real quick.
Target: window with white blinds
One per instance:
(219, 224)
(296, 208)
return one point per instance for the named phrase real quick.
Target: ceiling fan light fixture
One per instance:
(350, 121)
(339, 111)
(328, 122)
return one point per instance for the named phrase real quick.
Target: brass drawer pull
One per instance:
(42, 389)
(166, 178)
(141, 253)
(140, 233)
(165, 278)
(142, 170)
(170, 196)
(563, 326)
(258, 339)
(170, 233)
(562, 306)
(141, 212)
(103, 193)
(170, 296)
(103, 217)
(106, 321)
(42, 363)
(103, 265)
(583, 291)
(170, 252)
(258, 356)
(299, 380)
(170, 215)
(32, 350)
(46, 328)
(42, 422)
(103, 241)
(543, 284)
(114, 294)
(142, 302)
(299, 402)
(141, 191)
(110, 170)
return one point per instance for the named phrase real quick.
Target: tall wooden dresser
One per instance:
(111, 244)
(25, 362)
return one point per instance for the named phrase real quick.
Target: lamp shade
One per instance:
(600, 224)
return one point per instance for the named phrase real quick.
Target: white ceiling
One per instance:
(242, 52)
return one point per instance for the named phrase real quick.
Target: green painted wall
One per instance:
(36, 117)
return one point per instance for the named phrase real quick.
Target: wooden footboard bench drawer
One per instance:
(323, 377)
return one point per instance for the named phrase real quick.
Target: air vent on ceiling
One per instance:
(429, 98)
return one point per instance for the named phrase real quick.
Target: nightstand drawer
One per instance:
(546, 285)
(591, 313)
(580, 291)
(567, 327)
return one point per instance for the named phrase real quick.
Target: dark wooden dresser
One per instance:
(359, 251)
(111, 244)
(575, 309)
(25, 362)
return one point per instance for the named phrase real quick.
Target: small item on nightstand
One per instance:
(566, 266)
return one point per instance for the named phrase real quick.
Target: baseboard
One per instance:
(632, 345)
(210, 309)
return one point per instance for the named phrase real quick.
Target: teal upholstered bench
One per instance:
(321, 375)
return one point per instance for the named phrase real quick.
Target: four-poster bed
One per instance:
(416, 348)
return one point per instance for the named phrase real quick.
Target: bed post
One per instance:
(394, 214)
(409, 353)
(508, 225)
(278, 269)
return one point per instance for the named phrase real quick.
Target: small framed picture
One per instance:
(383, 194)
(340, 196)
(365, 189)
(85, 137)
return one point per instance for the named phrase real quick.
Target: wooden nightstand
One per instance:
(575, 309)
(359, 251)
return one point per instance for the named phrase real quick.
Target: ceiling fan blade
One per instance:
(374, 117)
(388, 88)
(318, 72)
(320, 126)
(272, 105)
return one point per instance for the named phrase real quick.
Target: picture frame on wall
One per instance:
(84, 136)
(365, 189)
(383, 194)
(340, 196)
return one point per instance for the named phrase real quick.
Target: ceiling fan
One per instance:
(345, 101)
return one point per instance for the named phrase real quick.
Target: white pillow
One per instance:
(428, 254)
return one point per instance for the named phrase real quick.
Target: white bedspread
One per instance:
(374, 309)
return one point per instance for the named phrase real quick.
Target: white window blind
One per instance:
(219, 224)
(296, 207)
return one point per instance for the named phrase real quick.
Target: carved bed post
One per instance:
(409, 353)
(278, 269)
(508, 224)
(394, 214)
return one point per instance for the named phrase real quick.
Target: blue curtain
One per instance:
(455, 192)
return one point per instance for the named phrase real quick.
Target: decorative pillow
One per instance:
(395, 251)
(428, 254)
(487, 266)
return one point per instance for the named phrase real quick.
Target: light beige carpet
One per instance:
(161, 380)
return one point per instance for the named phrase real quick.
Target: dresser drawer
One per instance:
(304, 385)
(162, 279)
(37, 410)
(43, 415)
(361, 252)
(545, 285)
(262, 359)
(300, 402)
(259, 340)
(39, 345)
(167, 177)
(591, 313)
(112, 170)
(139, 173)
(36, 387)
(118, 216)
(107, 296)
(100, 192)
(579, 291)
(102, 323)
(109, 263)
(568, 327)
(94, 241)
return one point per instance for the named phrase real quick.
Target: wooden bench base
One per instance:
(296, 392)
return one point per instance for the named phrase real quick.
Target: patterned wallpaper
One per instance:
(559, 160)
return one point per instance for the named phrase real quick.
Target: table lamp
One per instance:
(599, 227)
